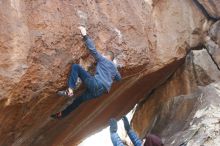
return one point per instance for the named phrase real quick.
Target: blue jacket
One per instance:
(106, 70)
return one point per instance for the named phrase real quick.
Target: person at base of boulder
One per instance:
(100, 83)
(150, 140)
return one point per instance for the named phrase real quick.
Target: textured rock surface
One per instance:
(203, 125)
(212, 43)
(170, 111)
(39, 40)
(212, 7)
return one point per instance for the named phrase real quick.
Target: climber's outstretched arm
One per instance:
(90, 44)
(116, 140)
(132, 135)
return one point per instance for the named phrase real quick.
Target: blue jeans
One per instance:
(94, 88)
(77, 71)
(116, 140)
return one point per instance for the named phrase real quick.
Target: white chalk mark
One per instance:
(119, 35)
(83, 17)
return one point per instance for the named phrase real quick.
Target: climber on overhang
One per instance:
(97, 85)
(149, 140)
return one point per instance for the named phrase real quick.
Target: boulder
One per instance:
(185, 109)
(39, 41)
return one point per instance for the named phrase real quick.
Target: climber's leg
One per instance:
(94, 88)
(76, 71)
(79, 100)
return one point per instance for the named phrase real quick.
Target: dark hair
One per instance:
(111, 54)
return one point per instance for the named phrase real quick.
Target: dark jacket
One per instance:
(106, 70)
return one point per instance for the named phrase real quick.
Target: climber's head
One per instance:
(109, 55)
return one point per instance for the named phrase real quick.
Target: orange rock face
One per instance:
(39, 40)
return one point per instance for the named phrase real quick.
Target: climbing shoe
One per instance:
(57, 116)
(65, 93)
